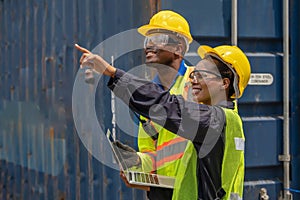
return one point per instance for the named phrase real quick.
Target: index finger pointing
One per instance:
(83, 50)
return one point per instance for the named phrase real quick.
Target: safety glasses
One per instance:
(160, 40)
(203, 75)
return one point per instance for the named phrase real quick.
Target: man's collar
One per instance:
(182, 68)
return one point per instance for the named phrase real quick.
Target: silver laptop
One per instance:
(137, 177)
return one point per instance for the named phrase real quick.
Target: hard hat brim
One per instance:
(144, 29)
(204, 49)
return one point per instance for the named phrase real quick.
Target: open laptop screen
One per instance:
(139, 177)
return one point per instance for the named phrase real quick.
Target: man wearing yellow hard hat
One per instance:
(167, 39)
(211, 122)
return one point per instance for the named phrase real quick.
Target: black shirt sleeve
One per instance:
(170, 111)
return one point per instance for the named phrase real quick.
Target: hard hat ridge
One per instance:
(168, 20)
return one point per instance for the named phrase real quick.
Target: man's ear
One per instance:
(179, 50)
(226, 83)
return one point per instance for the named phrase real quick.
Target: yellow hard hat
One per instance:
(235, 57)
(168, 20)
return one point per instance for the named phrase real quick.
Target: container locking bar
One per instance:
(284, 158)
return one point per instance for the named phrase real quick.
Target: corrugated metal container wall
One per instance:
(41, 154)
(260, 35)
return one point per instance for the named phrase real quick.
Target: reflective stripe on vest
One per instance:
(152, 156)
(170, 151)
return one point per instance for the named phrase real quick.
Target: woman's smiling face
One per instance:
(206, 82)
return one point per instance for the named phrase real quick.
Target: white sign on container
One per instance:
(261, 79)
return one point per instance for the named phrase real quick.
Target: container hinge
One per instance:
(284, 158)
(263, 194)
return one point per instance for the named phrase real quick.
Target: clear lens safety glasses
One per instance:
(160, 40)
(203, 75)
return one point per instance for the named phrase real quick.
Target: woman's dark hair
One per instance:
(225, 72)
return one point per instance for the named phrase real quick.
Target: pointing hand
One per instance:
(95, 62)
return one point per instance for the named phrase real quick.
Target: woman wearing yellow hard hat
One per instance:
(218, 79)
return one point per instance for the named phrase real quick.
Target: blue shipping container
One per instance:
(42, 156)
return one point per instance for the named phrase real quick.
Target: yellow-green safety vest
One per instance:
(233, 164)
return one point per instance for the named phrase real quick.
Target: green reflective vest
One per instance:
(233, 160)
(171, 155)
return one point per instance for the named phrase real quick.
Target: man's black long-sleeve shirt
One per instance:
(204, 125)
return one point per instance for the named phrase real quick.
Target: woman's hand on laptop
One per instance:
(129, 156)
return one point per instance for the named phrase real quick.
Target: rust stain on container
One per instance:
(51, 133)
